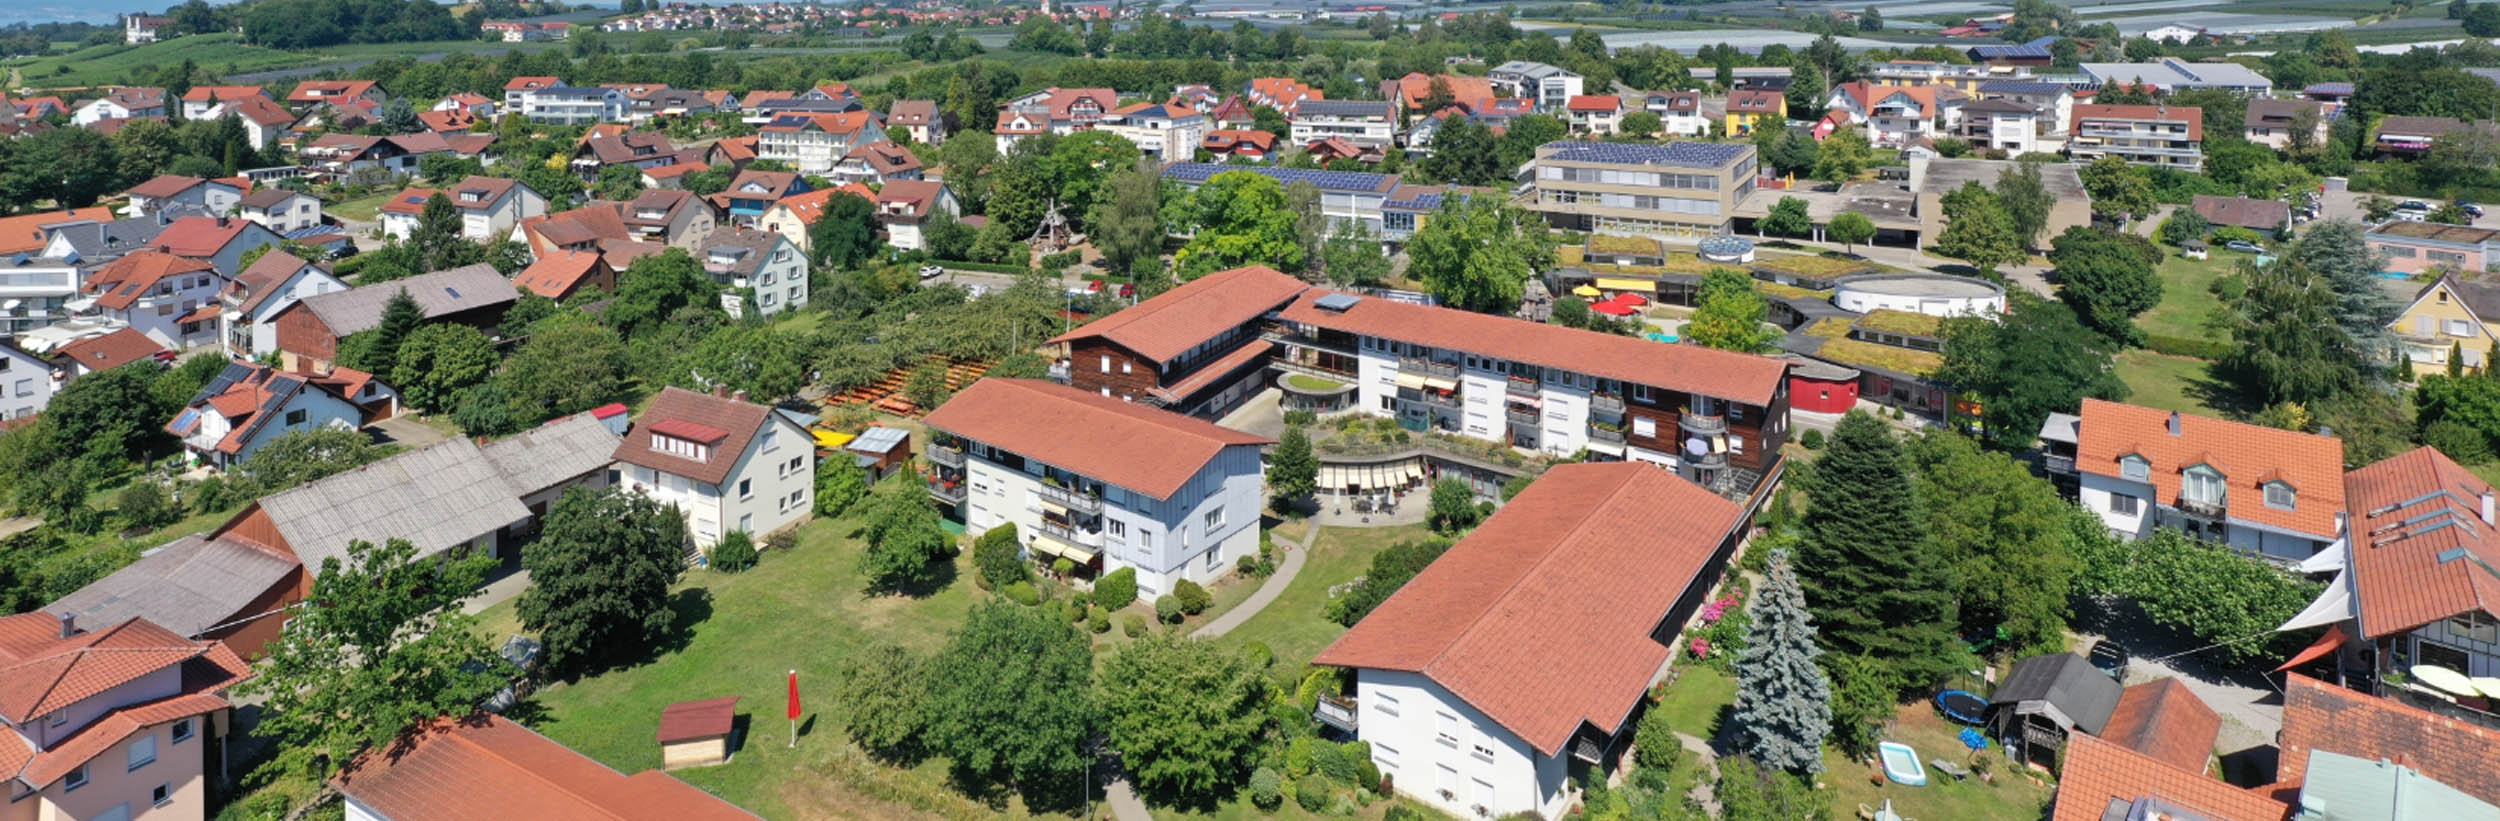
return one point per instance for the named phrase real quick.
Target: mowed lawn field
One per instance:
(1295, 626)
(221, 53)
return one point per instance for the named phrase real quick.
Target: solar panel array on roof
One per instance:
(1326, 180)
(225, 379)
(1688, 155)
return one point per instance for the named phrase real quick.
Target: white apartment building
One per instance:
(2161, 136)
(35, 292)
(280, 210)
(569, 105)
(726, 463)
(1550, 86)
(1713, 416)
(2003, 125)
(1469, 703)
(815, 143)
(1168, 133)
(174, 300)
(26, 381)
(1365, 123)
(2272, 493)
(1103, 482)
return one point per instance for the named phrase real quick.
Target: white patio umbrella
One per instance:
(2445, 680)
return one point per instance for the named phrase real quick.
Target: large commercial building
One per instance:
(2159, 136)
(1677, 191)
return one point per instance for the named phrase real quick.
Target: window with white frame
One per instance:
(2134, 467)
(2281, 496)
(1215, 519)
(2201, 484)
(1644, 426)
(142, 751)
(1445, 729)
(2122, 504)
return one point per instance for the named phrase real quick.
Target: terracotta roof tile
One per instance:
(811, 205)
(119, 285)
(689, 720)
(739, 421)
(2398, 508)
(1148, 450)
(2096, 773)
(112, 350)
(2163, 719)
(487, 768)
(2311, 464)
(1739, 377)
(555, 275)
(1595, 102)
(1177, 320)
(201, 236)
(26, 232)
(2322, 716)
(1605, 548)
(41, 672)
(165, 185)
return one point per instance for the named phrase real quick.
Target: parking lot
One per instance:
(2346, 205)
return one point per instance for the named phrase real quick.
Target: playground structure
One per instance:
(886, 394)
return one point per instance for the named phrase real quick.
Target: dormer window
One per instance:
(2134, 467)
(674, 446)
(2201, 484)
(2281, 496)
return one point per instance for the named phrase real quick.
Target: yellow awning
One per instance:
(1586, 291)
(1439, 384)
(1075, 553)
(831, 440)
(1410, 381)
(1621, 284)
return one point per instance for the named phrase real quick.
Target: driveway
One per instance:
(405, 431)
(2250, 704)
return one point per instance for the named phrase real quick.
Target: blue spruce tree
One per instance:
(1783, 703)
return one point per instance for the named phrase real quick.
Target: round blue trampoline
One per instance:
(1962, 705)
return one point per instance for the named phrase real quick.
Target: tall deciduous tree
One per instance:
(379, 645)
(2035, 360)
(440, 361)
(1463, 152)
(840, 483)
(2286, 343)
(570, 364)
(1010, 698)
(881, 689)
(1242, 219)
(1731, 314)
(1850, 228)
(2006, 533)
(1127, 225)
(1866, 559)
(301, 456)
(1977, 230)
(1783, 708)
(2108, 278)
(654, 288)
(1292, 472)
(905, 538)
(2118, 193)
(600, 573)
(1185, 715)
(1477, 253)
(845, 235)
(1353, 257)
(2026, 201)
(1842, 155)
(766, 363)
(1788, 218)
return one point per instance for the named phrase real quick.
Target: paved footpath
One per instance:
(1267, 593)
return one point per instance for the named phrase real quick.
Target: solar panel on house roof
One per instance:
(225, 379)
(1690, 155)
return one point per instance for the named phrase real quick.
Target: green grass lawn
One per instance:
(221, 53)
(1692, 704)
(800, 610)
(1312, 383)
(2016, 793)
(2187, 298)
(1294, 627)
(362, 209)
(2175, 383)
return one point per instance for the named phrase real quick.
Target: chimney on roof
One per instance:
(742, 396)
(221, 222)
(721, 391)
(2174, 423)
(69, 625)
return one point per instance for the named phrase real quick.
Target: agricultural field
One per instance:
(222, 53)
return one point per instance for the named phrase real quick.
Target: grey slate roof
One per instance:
(2079, 691)
(552, 454)
(436, 497)
(190, 586)
(97, 242)
(440, 293)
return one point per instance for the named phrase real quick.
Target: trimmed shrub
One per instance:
(995, 555)
(1098, 621)
(1299, 757)
(1311, 793)
(1072, 611)
(1259, 653)
(1022, 593)
(2186, 346)
(1267, 789)
(1246, 565)
(1116, 589)
(734, 553)
(1193, 599)
(1655, 744)
(782, 540)
(1812, 439)
(1404, 812)
(1062, 566)
(1168, 609)
(1132, 624)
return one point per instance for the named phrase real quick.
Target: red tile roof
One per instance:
(690, 720)
(112, 350)
(2399, 582)
(1468, 91)
(411, 201)
(120, 284)
(2163, 719)
(165, 185)
(737, 422)
(41, 672)
(458, 119)
(490, 768)
(811, 205)
(1148, 450)
(917, 195)
(260, 110)
(1542, 617)
(1180, 319)
(202, 94)
(25, 232)
(315, 91)
(1738, 377)
(2247, 455)
(2322, 716)
(1595, 102)
(2192, 116)
(2097, 772)
(531, 83)
(1755, 100)
(201, 236)
(556, 274)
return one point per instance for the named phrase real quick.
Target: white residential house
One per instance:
(1550, 86)
(202, 102)
(726, 463)
(1896, 115)
(2272, 493)
(569, 105)
(1679, 113)
(248, 405)
(1596, 114)
(182, 196)
(489, 208)
(35, 291)
(1365, 123)
(815, 143)
(2055, 101)
(280, 210)
(2004, 125)
(172, 299)
(26, 381)
(120, 104)
(273, 282)
(765, 261)
(1103, 482)
(903, 206)
(1465, 690)
(919, 118)
(1168, 133)
(138, 29)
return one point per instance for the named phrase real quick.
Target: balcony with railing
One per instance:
(1070, 499)
(1611, 436)
(1522, 386)
(1606, 403)
(2211, 510)
(1713, 459)
(1523, 418)
(947, 455)
(950, 491)
(1438, 399)
(1079, 536)
(1703, 423)
(1427, 368)
(2061, 465)
(1335, 711)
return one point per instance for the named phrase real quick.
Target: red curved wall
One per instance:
(1821, 395)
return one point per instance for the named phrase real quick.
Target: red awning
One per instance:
(2335, 637)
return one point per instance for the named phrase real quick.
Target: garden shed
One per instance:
(696, 733)
(2044, 699)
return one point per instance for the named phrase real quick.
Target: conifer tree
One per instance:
(1871, 576)
(1783, 703)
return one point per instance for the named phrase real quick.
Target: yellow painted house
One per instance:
(1751, 108)
(2448, 314)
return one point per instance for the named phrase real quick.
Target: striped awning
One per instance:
(1075, 553)
(1440, 384)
